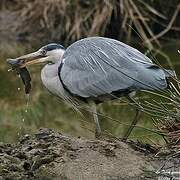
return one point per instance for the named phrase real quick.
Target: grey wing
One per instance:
(98, 66)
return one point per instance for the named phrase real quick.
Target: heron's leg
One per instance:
(95, 117)
(136, 118)
(134, 122)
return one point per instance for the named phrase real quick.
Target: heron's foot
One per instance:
(106, 137)
(98, 133)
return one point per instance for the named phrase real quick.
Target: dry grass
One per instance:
(167, 114)
(69, 20)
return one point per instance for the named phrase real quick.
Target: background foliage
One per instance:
(28, 24)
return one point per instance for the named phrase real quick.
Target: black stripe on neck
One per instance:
(65, 87)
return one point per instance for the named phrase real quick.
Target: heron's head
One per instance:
(50, 53)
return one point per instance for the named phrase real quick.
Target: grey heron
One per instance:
(95, 69)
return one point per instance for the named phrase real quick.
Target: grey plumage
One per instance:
(96, 66)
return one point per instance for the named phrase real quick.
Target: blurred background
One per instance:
(152, 26)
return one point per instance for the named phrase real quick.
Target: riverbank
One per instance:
(51, 155)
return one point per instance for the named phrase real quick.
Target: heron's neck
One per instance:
(50, 79)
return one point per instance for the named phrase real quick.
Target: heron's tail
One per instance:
(171, 78)
(169, 73)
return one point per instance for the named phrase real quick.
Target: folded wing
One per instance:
(97, 66)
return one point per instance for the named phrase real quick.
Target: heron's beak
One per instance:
(28, 59)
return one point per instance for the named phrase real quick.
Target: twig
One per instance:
(168, 26)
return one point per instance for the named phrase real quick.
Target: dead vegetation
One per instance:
(69, 20)
(166, 115)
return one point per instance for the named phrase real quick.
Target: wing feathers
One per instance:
(97, 66)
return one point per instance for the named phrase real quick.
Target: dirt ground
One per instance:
(50, 155)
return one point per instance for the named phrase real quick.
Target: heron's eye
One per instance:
(50, 63)
(43, 52)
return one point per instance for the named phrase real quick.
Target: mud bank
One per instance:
(51, 155)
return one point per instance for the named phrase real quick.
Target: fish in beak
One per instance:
(19, 65)
(32, 58)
